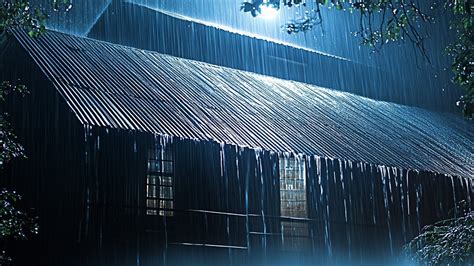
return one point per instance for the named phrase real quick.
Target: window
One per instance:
(293, 187)
(159, 182)
(293, 203)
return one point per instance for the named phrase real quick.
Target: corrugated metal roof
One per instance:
(119, 87)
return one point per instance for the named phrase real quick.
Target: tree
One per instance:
(18, 13)
(384, 21)
(15, 13)
(16, 224)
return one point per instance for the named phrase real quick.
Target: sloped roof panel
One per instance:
(120, 87)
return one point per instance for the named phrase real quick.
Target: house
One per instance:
(136, 157)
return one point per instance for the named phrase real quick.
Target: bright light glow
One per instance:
(268, 12)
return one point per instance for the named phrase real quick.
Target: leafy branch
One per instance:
(380, 21)
(18, 13)
(462, 52)
(14, 223)
(10, 148)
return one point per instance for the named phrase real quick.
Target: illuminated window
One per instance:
(159, 182)
(293, 187)
(293, 203)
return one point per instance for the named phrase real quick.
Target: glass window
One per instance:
(293, 187)
(293, 203)
(159, 182)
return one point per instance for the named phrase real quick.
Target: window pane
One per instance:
(167, 167)
(154, 166)
(295, 236)
(166, 192)
(151, 191)
(152, 180)
(166, 213)
(166, 204)
(151, 212)
(166, 180)
(151, 203)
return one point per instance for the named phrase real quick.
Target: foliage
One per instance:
(19, 13)
(14, 223)
(381, 21)
(10, 148)
(384, 21)
(15, 13)
(8, 142)
(446, 242)
(462, 51)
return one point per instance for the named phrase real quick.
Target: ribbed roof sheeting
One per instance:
(119, 87)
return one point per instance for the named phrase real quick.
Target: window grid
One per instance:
(293, 188)
(159, 182)
(293, 203)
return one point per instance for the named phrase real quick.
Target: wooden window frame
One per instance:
(159, 179)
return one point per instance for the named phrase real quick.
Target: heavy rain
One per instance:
(196, 132)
